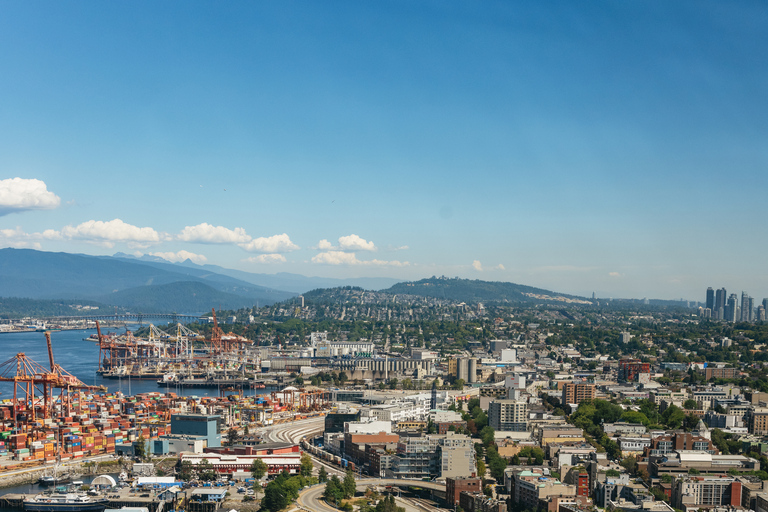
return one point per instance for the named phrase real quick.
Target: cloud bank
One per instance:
(19, 194)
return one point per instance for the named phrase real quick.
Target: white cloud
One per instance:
(276, 243)
(19, 194)
(182, 255)
(324, 245)
(107, 233)
(336, 258)
(614, 274)
(206, 234)
(480, 268)
(355, 243)
(18, 239)
(267, 258)
(350, 258)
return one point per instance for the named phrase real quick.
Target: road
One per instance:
(311, 499)
(293, 431)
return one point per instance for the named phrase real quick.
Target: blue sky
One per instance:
(616, 147)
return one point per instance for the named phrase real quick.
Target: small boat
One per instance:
(55, 478)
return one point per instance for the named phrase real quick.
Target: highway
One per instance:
(311, 499)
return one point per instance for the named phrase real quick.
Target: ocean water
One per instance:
(80, 358)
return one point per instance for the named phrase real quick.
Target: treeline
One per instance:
(15, 307)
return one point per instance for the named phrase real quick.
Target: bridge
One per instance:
(140, 317)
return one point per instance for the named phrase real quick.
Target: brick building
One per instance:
(629, 369)
(575, 393)
(455, 486)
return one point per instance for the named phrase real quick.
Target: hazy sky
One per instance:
(616, 147)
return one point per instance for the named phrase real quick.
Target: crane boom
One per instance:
(50, 348)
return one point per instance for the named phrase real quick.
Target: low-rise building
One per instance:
(455, 486)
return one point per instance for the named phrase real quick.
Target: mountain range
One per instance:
(151, 284)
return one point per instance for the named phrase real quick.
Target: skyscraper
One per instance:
(720, 296)
(746, 307)
(731, 308)
(710, 298)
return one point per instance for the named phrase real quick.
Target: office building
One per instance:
(710, 304)
(202, 426)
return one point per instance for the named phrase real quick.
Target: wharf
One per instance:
(117, 499)
(210, 383)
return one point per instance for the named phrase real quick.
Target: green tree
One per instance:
(322, 475)
(673, 417)
(349, 486)
(306, 465)
(333, 492)
(258, 469)
(140, 447)
(690, 404)
(630, 464)
(205, 471)
(185, 471)
(232, 436)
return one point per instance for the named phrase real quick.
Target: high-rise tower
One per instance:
(720, 296)
(710, 298)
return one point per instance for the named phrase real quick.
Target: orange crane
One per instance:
(214, 345)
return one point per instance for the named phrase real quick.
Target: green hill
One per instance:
(181, 297)
(467, 290)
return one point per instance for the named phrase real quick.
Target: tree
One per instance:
(459, 384)
(306, 466)
(690, 422)
(333, 490)
(232, 436)
(480, 468)
(258, 469)
(690, 404)
(630, 464)
(349, 486)
(185, 471)
(322, 475)
(673, 417)
(205, 471)
(140, 447)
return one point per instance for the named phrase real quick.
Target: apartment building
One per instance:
(575, 393)
(508, 415)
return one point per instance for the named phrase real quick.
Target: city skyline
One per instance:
(614, 148)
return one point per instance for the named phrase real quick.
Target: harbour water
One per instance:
(80, 358)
